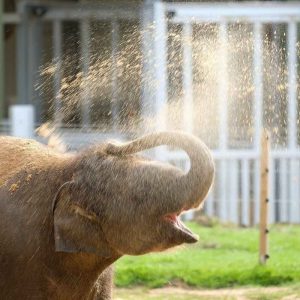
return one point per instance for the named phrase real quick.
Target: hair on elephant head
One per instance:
(120, 202)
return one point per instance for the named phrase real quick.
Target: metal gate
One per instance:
(254, 85)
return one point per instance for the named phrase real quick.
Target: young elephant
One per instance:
(65, 218)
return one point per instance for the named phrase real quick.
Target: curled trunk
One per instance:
(191, 187)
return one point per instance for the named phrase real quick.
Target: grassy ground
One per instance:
(224, 257)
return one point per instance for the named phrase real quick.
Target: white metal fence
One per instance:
(235, 196)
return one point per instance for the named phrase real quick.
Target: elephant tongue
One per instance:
(171, 217)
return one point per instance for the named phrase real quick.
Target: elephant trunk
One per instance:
(191, 187)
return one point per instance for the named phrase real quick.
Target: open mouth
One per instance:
(174, 220)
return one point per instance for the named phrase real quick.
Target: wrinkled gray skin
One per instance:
(64, 219)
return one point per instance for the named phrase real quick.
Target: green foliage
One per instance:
(224, 257)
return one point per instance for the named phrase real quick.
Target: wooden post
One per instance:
(264, 198)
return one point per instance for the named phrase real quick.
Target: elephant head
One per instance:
(120, 202)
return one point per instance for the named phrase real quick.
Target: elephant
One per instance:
(65, 218)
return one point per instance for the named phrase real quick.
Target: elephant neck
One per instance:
(76, 274)
(87, 262)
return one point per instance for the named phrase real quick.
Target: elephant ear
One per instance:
(76, 229)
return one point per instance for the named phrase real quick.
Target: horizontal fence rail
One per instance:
(268, 12)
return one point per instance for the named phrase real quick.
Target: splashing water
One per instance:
(112, 85)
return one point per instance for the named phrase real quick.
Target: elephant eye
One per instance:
(135, 199)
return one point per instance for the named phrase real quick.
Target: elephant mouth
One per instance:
(180, 231)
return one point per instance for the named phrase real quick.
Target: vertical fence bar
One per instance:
(148, 88)
(294, 191)
(85, 52)
(209, 204)
(30, 59)
(223, 88)
(161, 82)
(258, 108)
(256, 192)
(160, 48)
(245, 193)
(292, 85)
(114, 85)
(283, 190)
(233, 207)
(292, 122)
(223, 113)
(1, 62)
(187, 72)
(188, 77)
(258, 82)
(35, 28)
(57, 53)
(223, 191)
(22, 54)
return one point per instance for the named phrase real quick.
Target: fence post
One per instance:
(264, 197)
(22, 120)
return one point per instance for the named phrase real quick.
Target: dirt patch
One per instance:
(180, 293)
(238, 293)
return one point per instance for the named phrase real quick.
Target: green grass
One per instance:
(224, 257)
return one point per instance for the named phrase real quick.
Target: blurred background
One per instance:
(221, 70)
